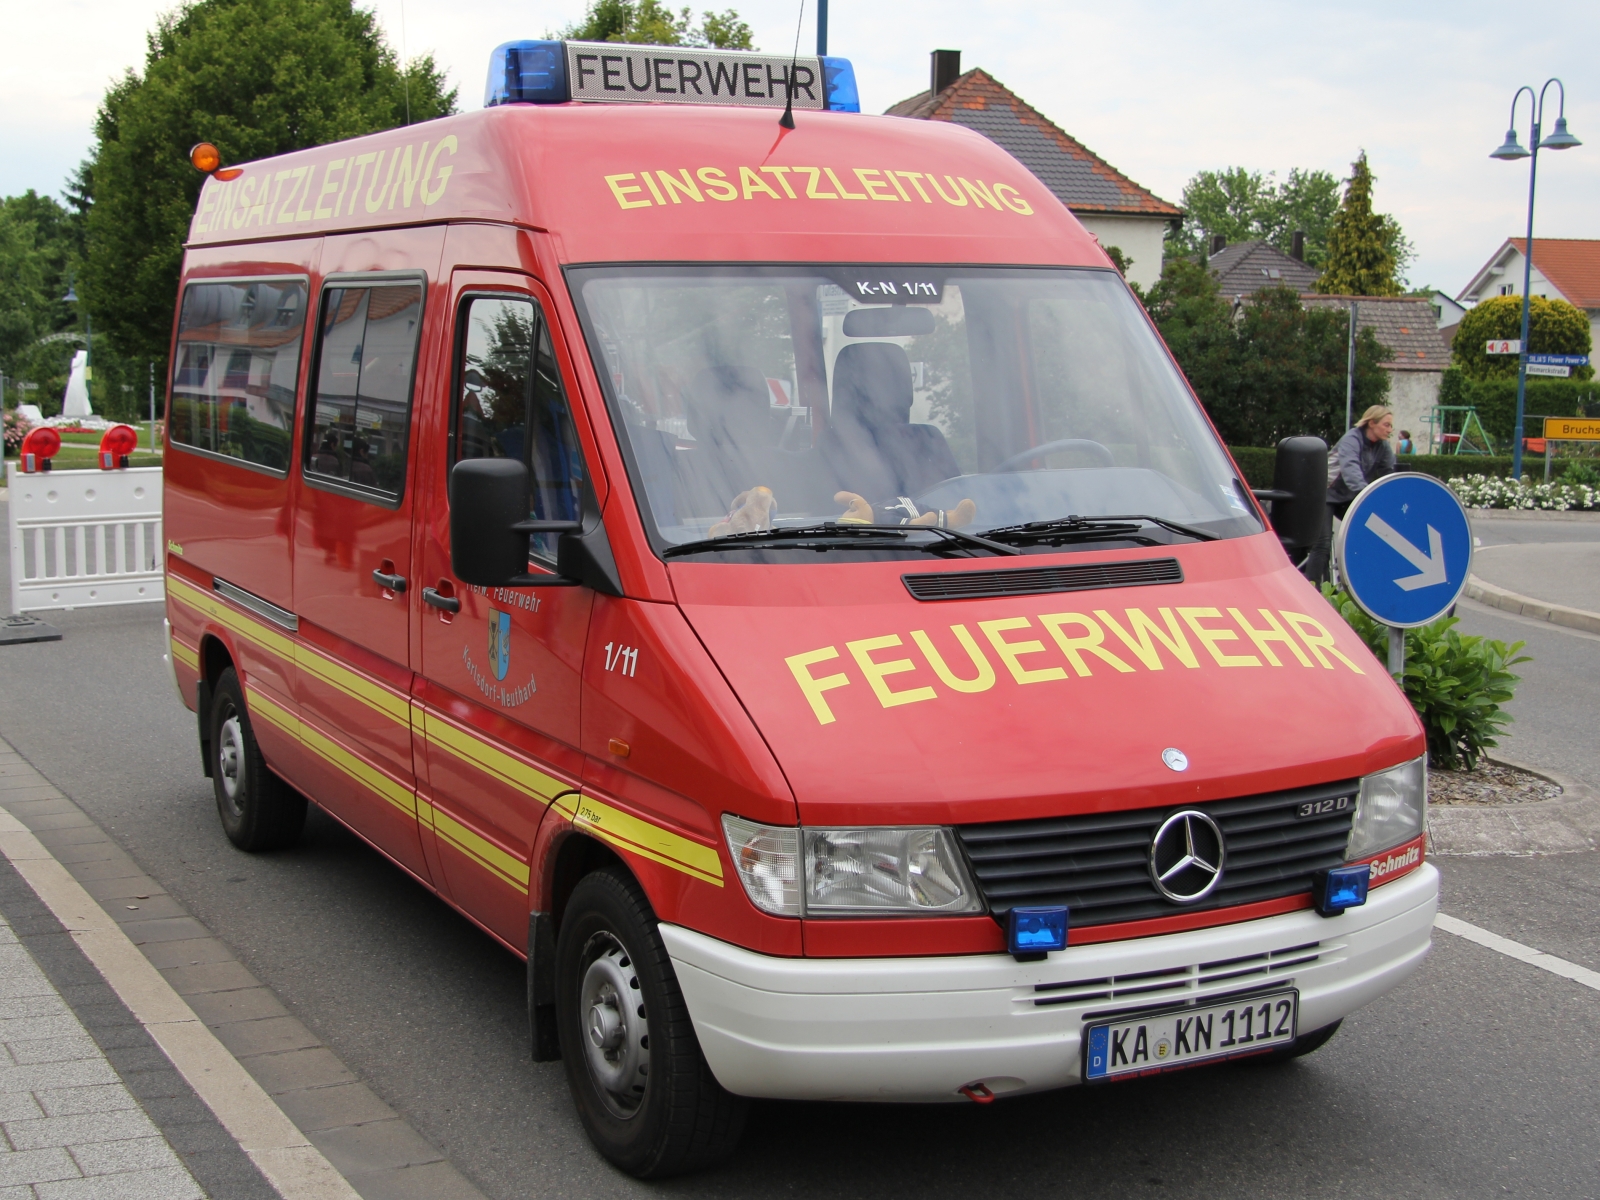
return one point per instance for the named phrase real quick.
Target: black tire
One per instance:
(1306, 1043)
(259, 811)
(645, 1095)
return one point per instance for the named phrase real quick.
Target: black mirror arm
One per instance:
(1265, 494)
(535, 526)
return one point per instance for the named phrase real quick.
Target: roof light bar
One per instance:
(554, 72)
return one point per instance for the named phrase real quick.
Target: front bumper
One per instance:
(919, 1029)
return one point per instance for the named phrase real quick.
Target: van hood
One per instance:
(884, 709)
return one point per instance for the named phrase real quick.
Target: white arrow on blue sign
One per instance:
(1405, 549)
(1556, 360)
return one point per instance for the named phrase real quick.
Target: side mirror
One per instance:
(489, 530)
(1299, 492)
(489, 527)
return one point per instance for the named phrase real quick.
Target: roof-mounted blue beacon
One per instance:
(551, 72)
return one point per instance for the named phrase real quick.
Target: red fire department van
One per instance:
(776, 581)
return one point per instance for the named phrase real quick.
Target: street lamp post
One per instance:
(1510, 151)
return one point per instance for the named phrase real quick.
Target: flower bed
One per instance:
(1482, 491)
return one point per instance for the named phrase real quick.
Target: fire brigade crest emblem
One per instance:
(499, 642)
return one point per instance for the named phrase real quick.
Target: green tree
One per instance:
(257, 78)
(1554, 327)
(1269, 368)
(1361, 260)
(1244, 205)
(652, 23)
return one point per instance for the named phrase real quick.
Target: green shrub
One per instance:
(1496, 402)
(1456, 683)
(1579, 473)
(1256, 464)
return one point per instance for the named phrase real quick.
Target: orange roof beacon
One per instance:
(776, 581)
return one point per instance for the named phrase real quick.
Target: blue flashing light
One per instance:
(527, 73)
(839, 85)
(1337, 888)
(1031, 933)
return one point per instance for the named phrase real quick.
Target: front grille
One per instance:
(1197, 982)
(1099, 864)
(1038, 581)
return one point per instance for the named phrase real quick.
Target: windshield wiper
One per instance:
(1078, 528)
(832, 535)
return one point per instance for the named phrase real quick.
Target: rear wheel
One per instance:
(644, 1092)
(259, 811)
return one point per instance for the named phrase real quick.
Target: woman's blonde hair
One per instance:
(1376, 413)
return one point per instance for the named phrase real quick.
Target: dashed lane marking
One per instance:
(1516, 950)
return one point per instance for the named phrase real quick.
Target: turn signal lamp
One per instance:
(1337, 888)
(1031, 933)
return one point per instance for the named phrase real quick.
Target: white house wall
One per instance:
(1141, 239)
(1412, 395)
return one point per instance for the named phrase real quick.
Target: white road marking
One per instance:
(1516, 950)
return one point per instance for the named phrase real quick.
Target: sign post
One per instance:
(1404, 553)
(1569, 429)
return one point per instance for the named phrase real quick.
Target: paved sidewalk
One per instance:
(1564, 573)
(73, 1131)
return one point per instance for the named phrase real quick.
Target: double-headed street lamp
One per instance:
(1511, 150)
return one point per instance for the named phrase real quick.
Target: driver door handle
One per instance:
(438, 599)
(395, 583)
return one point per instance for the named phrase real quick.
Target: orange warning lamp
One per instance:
(208, 158)
(116, 444)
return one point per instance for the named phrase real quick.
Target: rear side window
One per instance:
(360, 406)
(236, 370)
(510, 404)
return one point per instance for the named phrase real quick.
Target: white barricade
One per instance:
(82, 539)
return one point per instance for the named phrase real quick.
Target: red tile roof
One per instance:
(1080, 179)
(1571, 264)
(1405, 325)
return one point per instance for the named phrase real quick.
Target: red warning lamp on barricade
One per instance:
(116, 444)
(38, 448)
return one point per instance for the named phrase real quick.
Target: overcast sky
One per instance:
(1159, 88)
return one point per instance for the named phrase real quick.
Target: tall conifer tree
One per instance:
(1360, 261)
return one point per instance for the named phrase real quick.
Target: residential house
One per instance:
(1563, 269)
(1110, 206)
(1244, 268)
(1418, 353)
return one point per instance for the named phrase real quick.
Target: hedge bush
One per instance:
(1256, 464)
(1496, 402)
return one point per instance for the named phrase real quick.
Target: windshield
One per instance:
(754, 398)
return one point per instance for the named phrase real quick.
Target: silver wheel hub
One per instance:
(616, 1044)
(230, 757)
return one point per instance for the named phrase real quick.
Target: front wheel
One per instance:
(259, 811)
(644, 1092)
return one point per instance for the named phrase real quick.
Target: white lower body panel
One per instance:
(919, 1029)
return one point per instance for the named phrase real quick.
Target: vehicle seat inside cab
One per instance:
(871, 445)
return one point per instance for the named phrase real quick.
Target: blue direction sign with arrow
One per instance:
(1405, 549)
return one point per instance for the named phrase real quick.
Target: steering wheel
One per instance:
(1016, 460)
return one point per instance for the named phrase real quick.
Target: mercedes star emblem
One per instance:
(1175, 758)
(1186, 856)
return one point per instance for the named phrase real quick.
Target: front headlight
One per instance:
(859, 872)
(1392, 809)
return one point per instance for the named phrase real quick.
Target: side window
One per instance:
(361, 402)
(235, 372)
(511, 404)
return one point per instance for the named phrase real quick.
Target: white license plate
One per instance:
(1179, 1038)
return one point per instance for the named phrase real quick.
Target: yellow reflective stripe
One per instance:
(246, 627)
(357, 687)
(332, 753)
(629, 833)
(188, 656)
(491, 761)
(505, 867)
(314, 662)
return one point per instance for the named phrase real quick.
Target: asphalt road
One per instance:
(1479, 1077)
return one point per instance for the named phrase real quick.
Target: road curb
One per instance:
(1535, 514)
(1566, 825)
(312, 1129)
(1527, 606)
